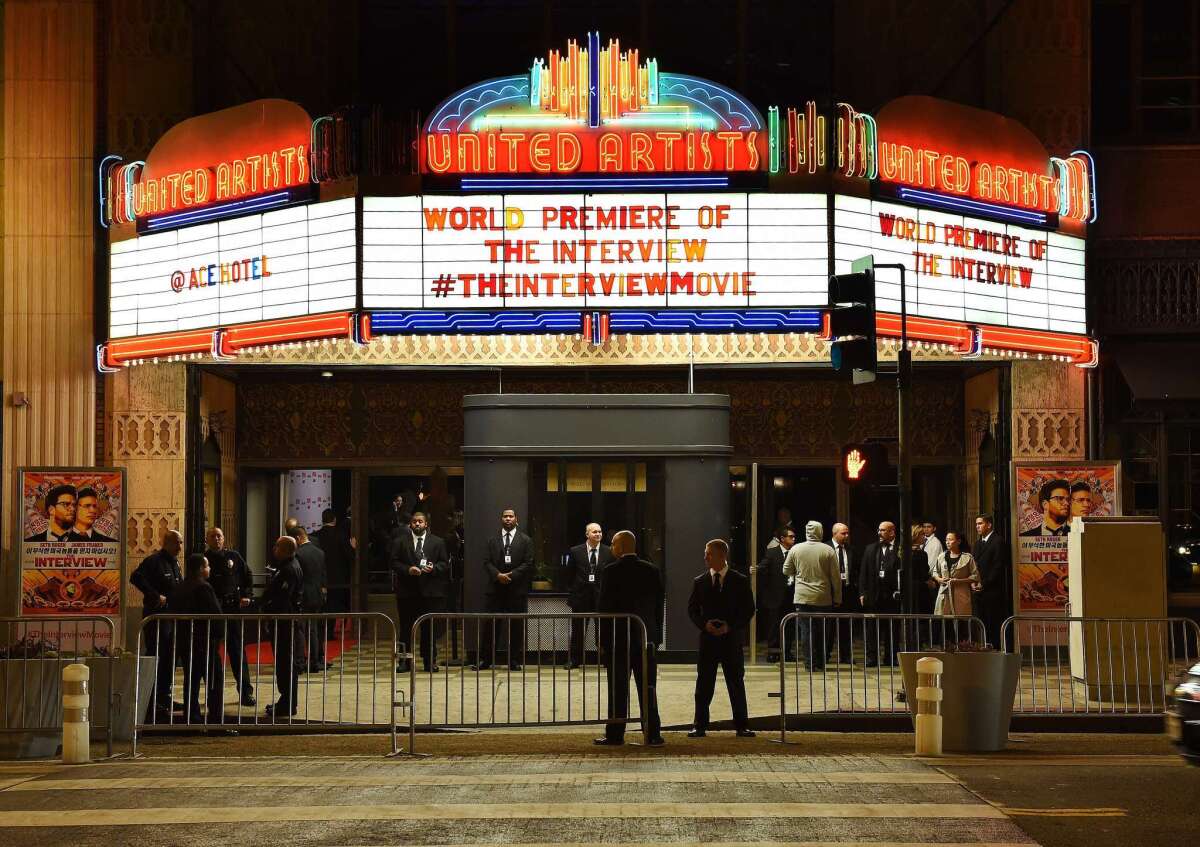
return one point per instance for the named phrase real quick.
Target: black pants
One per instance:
(160, 642)
(618, 664)
(772, 614)
(509, 633)
(726, 651)
(880, 637)
(315, 637)
(579, 631)
(408, 609)
(203, 664)
(235, 652)
(285, 643)
(846, 626)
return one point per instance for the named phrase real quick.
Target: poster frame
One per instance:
(18, 536)
(1015, 524)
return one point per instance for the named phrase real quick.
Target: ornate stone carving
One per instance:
(1048, 434)
(144, 531)
(1151, 286)
(147, 435)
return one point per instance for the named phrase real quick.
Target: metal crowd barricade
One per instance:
(353, 691)
(842, 663)
(33, 653)
(526, 687)
(1098, 666)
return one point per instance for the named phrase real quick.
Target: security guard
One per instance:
(230, 578)
(156, 577)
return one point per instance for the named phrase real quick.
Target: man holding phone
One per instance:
(721, 607)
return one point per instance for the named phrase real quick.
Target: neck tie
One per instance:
(717, 581)
(593, 558)
(507, 542)
(842, 561)
(420, 546)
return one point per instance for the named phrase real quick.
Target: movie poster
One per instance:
(72, 540)
(1048, 497)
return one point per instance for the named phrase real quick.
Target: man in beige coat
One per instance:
(812, 567)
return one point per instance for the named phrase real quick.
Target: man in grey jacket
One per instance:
(817, 589)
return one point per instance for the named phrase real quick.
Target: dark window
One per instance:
(1146, 71)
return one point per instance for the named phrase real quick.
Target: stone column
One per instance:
(1049, 414)
(46, 249)
(146, 407)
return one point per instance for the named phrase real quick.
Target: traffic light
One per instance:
(865, 464)
(852, 322)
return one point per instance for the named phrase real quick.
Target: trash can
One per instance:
(977, 697)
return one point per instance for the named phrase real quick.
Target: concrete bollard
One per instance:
(929, 706)
(77, 728)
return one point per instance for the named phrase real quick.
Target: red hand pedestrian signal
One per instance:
(855, 464)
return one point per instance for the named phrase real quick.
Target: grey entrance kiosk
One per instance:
(689, 433)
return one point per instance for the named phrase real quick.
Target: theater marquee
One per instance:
(594, 193)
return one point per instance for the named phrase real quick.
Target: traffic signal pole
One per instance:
(903, 464)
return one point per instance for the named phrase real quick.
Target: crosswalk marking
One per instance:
(561, 779)
(1098, 812)
(164, 816)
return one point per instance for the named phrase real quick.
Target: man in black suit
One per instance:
(991, 556)
(508, 565)
(316, 586)
(231, 581)
(721, 606)
(421, 575)
(631, 586)
(879, 593)
(284, 595)
(774, 597)
(338, 547)
(584, 563)
(848, 564)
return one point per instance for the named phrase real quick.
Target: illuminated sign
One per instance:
(285, 263)
(245, 151)
(864, 463)
(953, 149)
(587, 251)
(594, 109)
(965, 269)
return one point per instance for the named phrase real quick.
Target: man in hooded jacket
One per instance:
(817, 589)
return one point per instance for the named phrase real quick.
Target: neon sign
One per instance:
(594, 109)
(227, 156)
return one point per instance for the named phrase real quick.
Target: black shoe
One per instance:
(901, 697)
(158, 716)
(276, 711)
(772, 658)
(657, 741)
(697, 733)
(249, 701)
(482, 666)
(515, 667)
(745, 733)
(608, 742)
(572, 665)
(432, 668)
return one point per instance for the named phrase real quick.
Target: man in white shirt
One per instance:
(818, 589)
(933, 545)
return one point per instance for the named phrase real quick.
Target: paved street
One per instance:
(555, 788)
(572, 799)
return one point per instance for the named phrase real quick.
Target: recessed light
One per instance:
(327, 374)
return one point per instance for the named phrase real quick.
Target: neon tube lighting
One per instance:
(962, 204)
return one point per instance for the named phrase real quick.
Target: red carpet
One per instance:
(262, 653)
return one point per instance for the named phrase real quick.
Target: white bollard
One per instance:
(77, 729)
(929, 706)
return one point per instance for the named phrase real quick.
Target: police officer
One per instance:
(156, 577)
(230, 578)
(284, 595)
